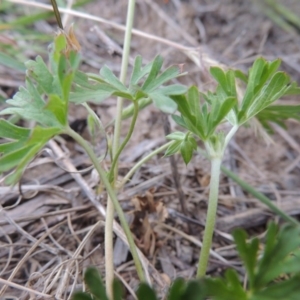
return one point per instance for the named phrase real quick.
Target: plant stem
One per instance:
(211, 215)
(127, 138)
(142, 161)
(230, 134)
(113, 198)
(117, 132)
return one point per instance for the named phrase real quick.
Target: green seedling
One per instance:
(264, 85)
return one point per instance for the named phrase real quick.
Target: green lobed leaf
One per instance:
(173, 148)
(20, 168)
(220, 76)
(165, 76)
(11, 131)
(278, 253)
(220, 113)
(247, 252)
(81, 95)
(241, 75)
(138, 72)
(177, 289)
(187, 148)
(94, 282)
(155, 68)
(162, 102)
(117, 290)
(254, 76)
(193, 291)
(81, 296)
(12, 159)
(11, 146)
(111, 79)
(58, 108)
(173, 89)
(288, 289)
(145, 292)
(38, 138)
(275, 89)
(180, 121)
(38, 70)
(177, 136)
(28, 104)
(221, 289)
(193, 99)
(278, 114)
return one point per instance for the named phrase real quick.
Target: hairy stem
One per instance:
(211, 216)
(112, 195)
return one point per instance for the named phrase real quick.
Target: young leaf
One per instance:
(278, 114)
(96, 93)
(162, 102)
(177, 289)
(187, 148)
(173, 89)
(288, 289)
(167, 75)
(278, 256)
(145, 292)
(111, 79)
(12, 159)
(117, 290)
(248, 253)
(193, 291)
(180, 121)
(38, 70)
(81, 296)
(177, 136)
(95, 284)
(228, 288)
(193, 99)
(38, 138)
(155, 68)
(275, 89)
(11, 131)
(138, 72)
(219, 113)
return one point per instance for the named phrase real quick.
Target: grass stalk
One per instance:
(261, 197)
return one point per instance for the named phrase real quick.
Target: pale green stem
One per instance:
(124, 143)
(117, 133)
(229, 135)
(211, 215)
(141, 162)
(112, 195)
